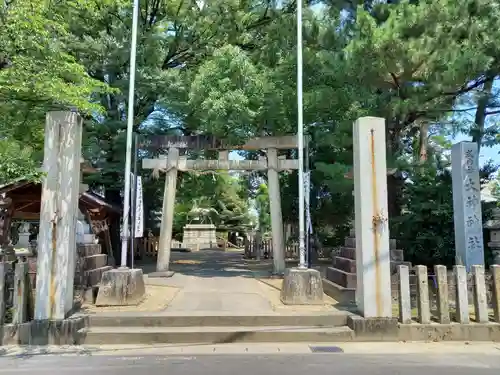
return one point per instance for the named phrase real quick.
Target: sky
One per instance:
(486, 153)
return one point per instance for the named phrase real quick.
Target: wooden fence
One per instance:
(266, 249)
(291, 250)
(148, 247)
(443, 304)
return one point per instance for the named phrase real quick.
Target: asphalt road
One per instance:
(309, 364)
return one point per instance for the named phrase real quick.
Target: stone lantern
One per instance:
(494, 226)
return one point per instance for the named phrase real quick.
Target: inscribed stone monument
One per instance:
(467, 205)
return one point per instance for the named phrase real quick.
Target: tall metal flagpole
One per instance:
(300, 138)
(130, 124)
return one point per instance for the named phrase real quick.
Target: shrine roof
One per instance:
(26, 196)
(98, 201)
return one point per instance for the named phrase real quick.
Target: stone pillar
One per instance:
(167, 219)
(462, 295)
(223, 155)
(495, 299)
(494, 227)
(480, 296)
(423, 305)
(373, 293)
(442, 294)
(404, 294)
(58, 213)
(467, 205)
(275, 207)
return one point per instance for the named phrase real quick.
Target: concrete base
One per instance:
(449, 332)
(45, 332)
(374, 329)
(121, 287)
(196, 237)
(302, 287)
(161, 274)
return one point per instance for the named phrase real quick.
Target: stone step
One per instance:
(337, 319)
(344, 264)
(85, 250)
(349, 265)
(350, 253)
(211, 335)
(93, 277)
(344, 296)
(351, 242)
(342, 278)
(95, 261)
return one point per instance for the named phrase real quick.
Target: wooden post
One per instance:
(2, 292)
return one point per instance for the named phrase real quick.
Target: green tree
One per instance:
(37, 74)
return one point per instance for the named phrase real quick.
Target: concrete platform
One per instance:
(220, 298)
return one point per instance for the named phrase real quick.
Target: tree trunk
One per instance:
(423, 143)
(482, 105)
(394, 183)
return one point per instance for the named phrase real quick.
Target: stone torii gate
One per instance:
(174, 163)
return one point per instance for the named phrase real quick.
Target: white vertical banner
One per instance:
(307, 189)
(139, 209)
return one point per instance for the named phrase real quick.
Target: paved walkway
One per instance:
(214, 281)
